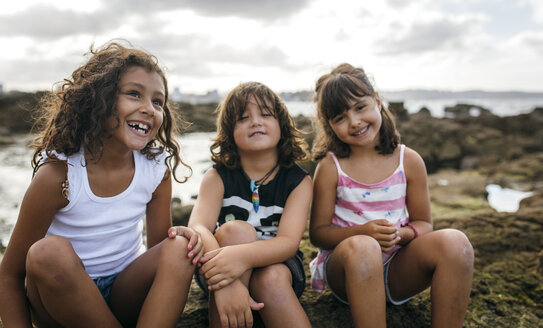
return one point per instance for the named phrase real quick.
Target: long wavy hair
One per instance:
(333, 93)
(75, 115)
(291, 146)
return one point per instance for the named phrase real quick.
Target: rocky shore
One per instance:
(464, 152)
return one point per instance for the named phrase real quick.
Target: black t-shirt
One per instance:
(237, 205)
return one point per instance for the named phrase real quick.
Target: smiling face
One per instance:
(139, 108)
(257, 129)
(359, 125)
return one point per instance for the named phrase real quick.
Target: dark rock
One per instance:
(534, 201)
(181, 214)
(398, 110)
(424, 112)
(464, 110)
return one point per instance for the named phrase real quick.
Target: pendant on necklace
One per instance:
(255, 198)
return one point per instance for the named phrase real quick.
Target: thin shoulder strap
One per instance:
(402, 151)
(336, 161)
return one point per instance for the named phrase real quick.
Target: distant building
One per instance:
(1, 88)
(176, 95)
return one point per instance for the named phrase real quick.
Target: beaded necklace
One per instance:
(255, 185)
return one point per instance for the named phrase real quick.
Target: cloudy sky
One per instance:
(493, 45)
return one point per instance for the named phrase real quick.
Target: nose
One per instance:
(148, 108)
(353, 119)
(255, 120)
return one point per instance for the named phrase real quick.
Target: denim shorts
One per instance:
(295, 264)
(104, 285)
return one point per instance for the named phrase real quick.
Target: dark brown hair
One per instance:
(333, 92)
(76, 114)
(291, 146)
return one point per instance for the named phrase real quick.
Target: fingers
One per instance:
(221, 284)
(180, 231)
(248, 318)
(209, 255)
(172, 232)
(194, 246)
(255, 306)
(383, 222)
(240, 318)
(224, 320)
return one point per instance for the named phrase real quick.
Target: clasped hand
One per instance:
(195, 246)
(234, 305)
(386, 234)
(221, 267)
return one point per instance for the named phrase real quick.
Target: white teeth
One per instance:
(139, 126)
(362, 131)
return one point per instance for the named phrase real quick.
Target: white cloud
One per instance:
(441, 32)
(537, 10)
(48, 22)
(530, 40)
(215, 44)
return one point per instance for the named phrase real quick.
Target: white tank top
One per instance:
(106, 232)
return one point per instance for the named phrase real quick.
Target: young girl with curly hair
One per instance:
(371, 212)
(251, 212)
(103, 161)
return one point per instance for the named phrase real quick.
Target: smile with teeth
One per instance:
(361, 131)
(257, 133)
(139, 127)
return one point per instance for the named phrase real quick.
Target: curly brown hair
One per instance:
(291, 146)
(333, 92)
(76, 114)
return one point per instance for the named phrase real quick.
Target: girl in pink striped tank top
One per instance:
(371, 215)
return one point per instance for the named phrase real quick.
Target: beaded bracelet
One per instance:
(414, 230)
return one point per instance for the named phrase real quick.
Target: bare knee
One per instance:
(360, 255)
(236, 232)
(269, 283)
(455, 248)
(52, 260)
(175, 250)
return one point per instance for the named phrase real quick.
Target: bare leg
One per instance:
(272, 285)
(155, 286)
(442, 259)
(355, 273)
(60, 292)
(231, 233)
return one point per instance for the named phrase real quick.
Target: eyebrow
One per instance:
(141, 86)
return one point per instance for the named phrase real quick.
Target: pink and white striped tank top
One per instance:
(358, 203)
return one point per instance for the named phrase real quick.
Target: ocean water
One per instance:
(16, 172)
(499, 106)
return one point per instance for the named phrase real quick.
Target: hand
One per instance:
(195, 246)
(234, 305)
(221, 267)
(386, 234)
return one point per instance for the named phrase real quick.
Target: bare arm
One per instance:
(158, 213)
(42, 199)
(321, 231)
(417, 198)
(289, 234)
(205, 213)
(230, 262)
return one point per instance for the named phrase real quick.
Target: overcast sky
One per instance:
(494, 45)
